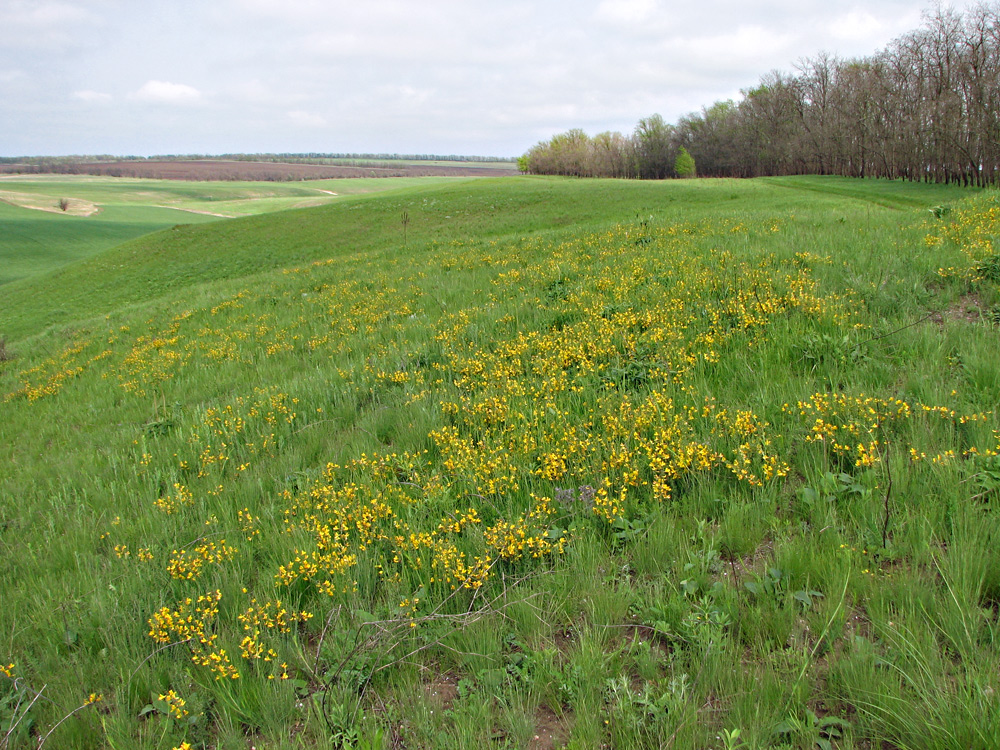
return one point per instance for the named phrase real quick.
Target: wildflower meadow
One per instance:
(518, 463)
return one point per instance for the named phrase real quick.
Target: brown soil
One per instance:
(550, 730)
(213, 169)
(564, 640)
(967, 308)
(442, 691)
(75, 206)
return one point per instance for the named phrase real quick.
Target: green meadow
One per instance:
(38, 235)
(507, 463)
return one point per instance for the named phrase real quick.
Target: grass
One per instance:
(34, 242)
(229, 198)
(575, 464)
(39, 236)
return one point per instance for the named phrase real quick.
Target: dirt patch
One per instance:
(737, 569)
(857, 624)
(968, 308)
(194, 211)
(68, 206)
(442, 691)
(550, 730)
(564, 640)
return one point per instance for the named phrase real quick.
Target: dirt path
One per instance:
(195, 211)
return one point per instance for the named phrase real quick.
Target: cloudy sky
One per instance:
(485, 77)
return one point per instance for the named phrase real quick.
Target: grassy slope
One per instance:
(34, 242)
(231, 198)
(176, 259)
(140, 370)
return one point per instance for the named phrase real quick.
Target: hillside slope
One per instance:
(509, 460)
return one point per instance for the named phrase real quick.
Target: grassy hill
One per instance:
(33, 242)
(512, 463)
(48, 221)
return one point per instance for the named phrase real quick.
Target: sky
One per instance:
(473, 77)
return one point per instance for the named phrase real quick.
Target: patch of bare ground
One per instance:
(441, 691)
(632, 633)
(968, 308)
(194, 211)
(551, 731)
(736, 569)
(564, 640)
(857, 624)
(68, 206)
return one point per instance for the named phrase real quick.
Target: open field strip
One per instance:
(37, 235)
(513, 463)
(229, 198)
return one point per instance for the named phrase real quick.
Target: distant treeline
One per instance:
(53, 163)
(369, 157)
(378, 161)
(925, 108)
(279, 170)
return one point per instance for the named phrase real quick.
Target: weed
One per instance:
(812, 730)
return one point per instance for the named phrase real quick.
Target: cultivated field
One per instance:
(527, 463)
(221, 169)
(47, 221)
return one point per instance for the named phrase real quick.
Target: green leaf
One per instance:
(829, 721)
(782, 728)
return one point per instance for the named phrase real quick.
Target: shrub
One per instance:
(684, 164)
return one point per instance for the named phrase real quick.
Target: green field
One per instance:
(530, 463)
(37, 237)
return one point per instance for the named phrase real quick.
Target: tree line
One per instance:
(49, 163)
(927, 107)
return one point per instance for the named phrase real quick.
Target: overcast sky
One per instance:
(484, 77)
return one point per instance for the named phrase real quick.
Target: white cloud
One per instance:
(41, 15)
(307, 119)
(56, 27)
(854, 25)
(382, 75)
(345, 44)
(861, 28)
(167, 93)
(627, 11)
(92, 96)
(411, 96)
(746, 46)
